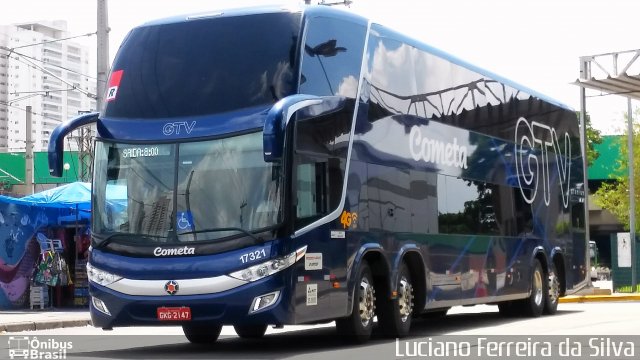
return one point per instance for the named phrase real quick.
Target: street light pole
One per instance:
(632, 198)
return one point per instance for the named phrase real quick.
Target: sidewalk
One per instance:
(24, 320)
(599, 292)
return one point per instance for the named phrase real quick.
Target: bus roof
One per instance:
(319, 10)
(440, 53)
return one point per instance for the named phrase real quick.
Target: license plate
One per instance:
(174, 313)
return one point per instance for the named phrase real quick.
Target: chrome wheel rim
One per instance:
(405, 299)
(537, 287)
(554, 288)
(367, 302)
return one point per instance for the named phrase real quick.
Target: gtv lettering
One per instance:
(178, 126)
(534, 141)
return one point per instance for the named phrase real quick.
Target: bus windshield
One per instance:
(175, 193)
(204, 66)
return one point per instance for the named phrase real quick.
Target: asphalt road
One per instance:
(610, 325)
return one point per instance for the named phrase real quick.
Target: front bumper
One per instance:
(228, 307)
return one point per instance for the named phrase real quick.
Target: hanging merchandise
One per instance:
(52, 270)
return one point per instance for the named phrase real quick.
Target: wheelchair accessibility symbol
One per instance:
(184, 221)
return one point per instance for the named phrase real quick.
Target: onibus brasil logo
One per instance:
(27, 347)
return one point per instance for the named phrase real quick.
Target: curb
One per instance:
(42, 325)
(599, 298)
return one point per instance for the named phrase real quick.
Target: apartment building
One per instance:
(53, 77)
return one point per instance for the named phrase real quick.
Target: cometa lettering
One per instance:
(174, 251)
(435, 151)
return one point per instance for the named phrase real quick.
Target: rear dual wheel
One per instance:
(553, 296)
(358, 326)
(534, 305)
(395, 314)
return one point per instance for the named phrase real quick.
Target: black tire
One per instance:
(358, 326)
(437, 314)
(534, 304)
(394, 315)
(250, 331)
(202, 334)
(553, 291)
(509, 308)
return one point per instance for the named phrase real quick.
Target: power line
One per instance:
(45, 91)
(8, 104)
(48, 72)
(44, 117)
(44, 62)
(51, 41)
(29, 63)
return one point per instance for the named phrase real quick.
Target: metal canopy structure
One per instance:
(613, 73)
(616, 73)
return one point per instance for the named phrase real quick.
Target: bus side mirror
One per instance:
(56, 141)
(279, 116)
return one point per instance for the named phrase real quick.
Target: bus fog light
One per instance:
(264, 301)
(100, 305)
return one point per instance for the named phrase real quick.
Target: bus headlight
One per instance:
(101, 277)
(267, 268)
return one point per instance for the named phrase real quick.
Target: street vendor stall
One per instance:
(43, 242)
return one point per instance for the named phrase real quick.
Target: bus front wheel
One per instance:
(250, 331)
(358, 326)
(202, 333)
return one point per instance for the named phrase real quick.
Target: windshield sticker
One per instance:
(146, 151)
(114, 83)
(184, 221)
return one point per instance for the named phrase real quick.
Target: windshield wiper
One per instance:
(104, 241)
(246, 232)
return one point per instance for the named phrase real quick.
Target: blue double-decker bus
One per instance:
(269, 166)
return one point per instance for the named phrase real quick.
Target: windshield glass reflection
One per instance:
(176, 193)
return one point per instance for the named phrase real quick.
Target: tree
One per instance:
(594, 137)
(614, 196)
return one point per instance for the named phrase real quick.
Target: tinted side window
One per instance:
(332, 57)
(474, 207)
(320, 160)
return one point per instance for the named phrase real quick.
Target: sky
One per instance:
(536, 43)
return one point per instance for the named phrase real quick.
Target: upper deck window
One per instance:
(204, 66)
(332, 57)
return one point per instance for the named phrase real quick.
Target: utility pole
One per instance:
(86, 133)
(28, 171)
(632, 198)
(102, 51)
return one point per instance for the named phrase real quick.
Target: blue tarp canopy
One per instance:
(66, 196)
(75, 198)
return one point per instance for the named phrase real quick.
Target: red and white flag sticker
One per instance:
(114, 83)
